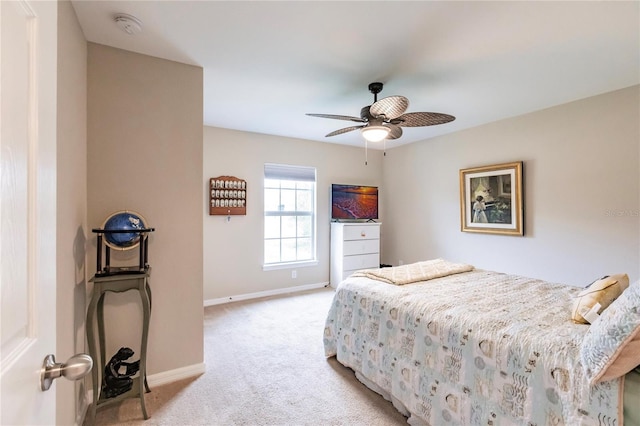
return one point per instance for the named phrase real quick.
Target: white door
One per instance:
(28, 54)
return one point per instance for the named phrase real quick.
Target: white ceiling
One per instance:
(267, 63)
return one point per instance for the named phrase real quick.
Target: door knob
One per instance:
(75, 368)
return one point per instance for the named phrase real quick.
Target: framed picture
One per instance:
(491, 199)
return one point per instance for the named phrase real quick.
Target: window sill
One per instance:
(289, 265)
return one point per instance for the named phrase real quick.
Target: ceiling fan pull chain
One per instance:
(365, 152)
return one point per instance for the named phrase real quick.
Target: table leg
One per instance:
(148, 292)
(146, 314)
(93, 350)
(101, 334)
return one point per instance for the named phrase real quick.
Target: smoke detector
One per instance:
(128, 23)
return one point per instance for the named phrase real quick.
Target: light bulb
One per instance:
(375, 133)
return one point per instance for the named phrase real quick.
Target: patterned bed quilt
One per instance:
(472, 348)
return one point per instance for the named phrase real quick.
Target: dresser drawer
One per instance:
(361, 247)
(362, 261)
(361, 232)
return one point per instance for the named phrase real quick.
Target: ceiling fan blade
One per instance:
(420, 119)
(345, 130)
(339, 117)
(391, 107)
(394, 131)
(365, 114)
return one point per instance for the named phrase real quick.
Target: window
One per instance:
(289, 215)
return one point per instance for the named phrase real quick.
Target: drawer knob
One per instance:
(363, 234)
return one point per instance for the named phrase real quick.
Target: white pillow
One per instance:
(611, 347)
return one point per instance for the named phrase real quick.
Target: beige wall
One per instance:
(582, 197)
(145, 154)
(581, 192)
(233, 251)
(71, 207)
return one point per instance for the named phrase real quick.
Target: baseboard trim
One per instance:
(171, 376)
(259, 294)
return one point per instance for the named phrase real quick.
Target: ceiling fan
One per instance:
(385, 118)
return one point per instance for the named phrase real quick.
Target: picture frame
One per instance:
(491, 199)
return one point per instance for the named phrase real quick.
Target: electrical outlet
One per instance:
(400, 262)
(294, 274)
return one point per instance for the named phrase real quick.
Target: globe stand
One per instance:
(143, 255)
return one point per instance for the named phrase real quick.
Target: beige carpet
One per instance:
(265, 365)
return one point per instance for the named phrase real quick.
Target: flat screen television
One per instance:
(354, 202)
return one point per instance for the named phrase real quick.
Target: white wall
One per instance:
(581, 193)
(233, 251)
(145, 154)
(71, 207)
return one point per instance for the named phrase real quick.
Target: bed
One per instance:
(463, 346)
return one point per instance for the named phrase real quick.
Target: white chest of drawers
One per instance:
(354, 246)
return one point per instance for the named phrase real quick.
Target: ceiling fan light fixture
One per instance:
(375, 133)
(384, 118)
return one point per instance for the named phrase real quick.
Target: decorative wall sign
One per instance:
(491, 199)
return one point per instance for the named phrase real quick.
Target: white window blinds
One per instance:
(288, 172)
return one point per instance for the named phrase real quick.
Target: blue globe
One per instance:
(123, 221)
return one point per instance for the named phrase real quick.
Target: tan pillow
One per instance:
(602, 291)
